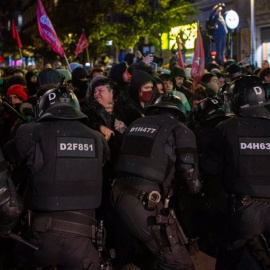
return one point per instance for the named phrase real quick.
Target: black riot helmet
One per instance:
(245, 92)
(59, 103)
(208, 109)
(170, 104)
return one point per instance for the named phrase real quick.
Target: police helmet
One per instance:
(246, 91)
(208, 109)
(169, 103)
(59, 103)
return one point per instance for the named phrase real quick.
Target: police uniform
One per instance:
(241, 154)
(210, 209)
(11, 208)
(157, 153)
(65, 158)
(10, 205)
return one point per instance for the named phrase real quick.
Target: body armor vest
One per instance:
(66, 167)
(144, 151)
(247, 169)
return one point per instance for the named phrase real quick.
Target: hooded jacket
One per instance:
(138, 79)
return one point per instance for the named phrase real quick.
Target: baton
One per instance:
(18, 238)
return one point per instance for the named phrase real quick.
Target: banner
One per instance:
(198, 62)
(15, 35)
(46, 30)
(82, 44)
(179, 55)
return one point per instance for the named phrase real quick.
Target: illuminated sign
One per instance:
(187, 34)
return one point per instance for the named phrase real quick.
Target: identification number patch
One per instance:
(75, 147)
(254, 146)
(144, 130)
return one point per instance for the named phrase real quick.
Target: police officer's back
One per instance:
(206, 116)
(65, 158)
(241, 155)
(209, 210)
(158, 154)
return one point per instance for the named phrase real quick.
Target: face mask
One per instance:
(146, 96)
(17, 107)
(82, 88)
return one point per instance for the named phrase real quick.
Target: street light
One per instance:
(232, 21)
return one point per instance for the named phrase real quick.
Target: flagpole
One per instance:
(87, 54)
(69, 68)
(21, 57)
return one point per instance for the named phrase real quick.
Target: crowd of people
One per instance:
(163, 165)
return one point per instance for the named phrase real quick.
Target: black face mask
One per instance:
(31, 88)
(9, 100)
(17, 107)
(82, 88)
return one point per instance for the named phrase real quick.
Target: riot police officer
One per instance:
(209, 210)
(10, 205)
(158, 156)
(240, 154)
(65, 158)
(207, 114)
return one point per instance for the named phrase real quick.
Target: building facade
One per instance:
(242, 35)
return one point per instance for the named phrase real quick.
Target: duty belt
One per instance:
(245, 199)
(69, 222)
(139, 194)
(150, 200)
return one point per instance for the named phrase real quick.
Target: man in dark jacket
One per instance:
(65, 159)
(80, 83)
(179, 77)
(142, 91)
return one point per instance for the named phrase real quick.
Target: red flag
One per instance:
(180, 57)
(15, 35)
(197, 68)
(46, 29)
(82, 44)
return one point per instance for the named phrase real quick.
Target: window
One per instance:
(20, 20)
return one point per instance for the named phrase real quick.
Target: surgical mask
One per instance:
(146, 96)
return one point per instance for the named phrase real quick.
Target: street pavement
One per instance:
(203, 261)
